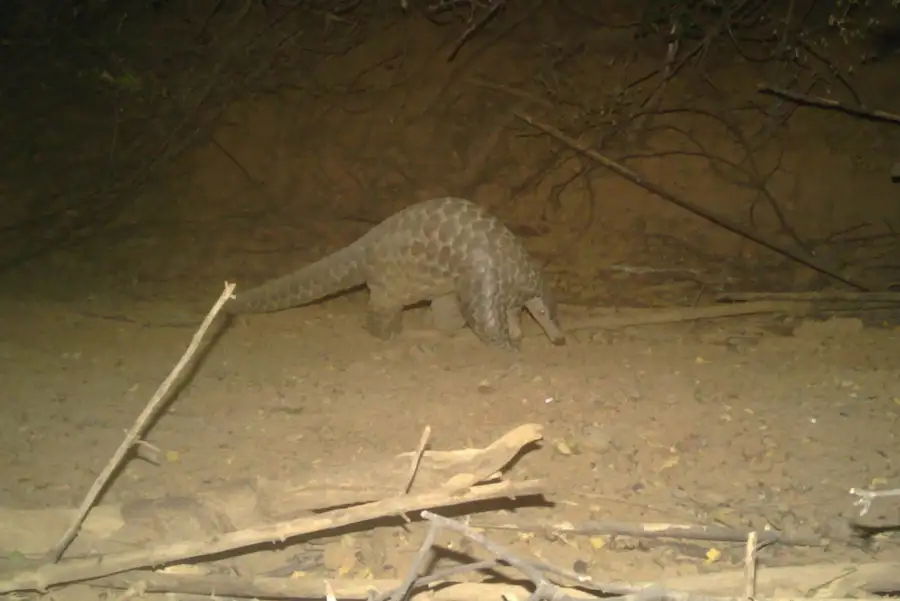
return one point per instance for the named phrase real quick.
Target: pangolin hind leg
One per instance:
(446, 315)
(384, 317)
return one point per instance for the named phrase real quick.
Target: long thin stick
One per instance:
(424, 554)
(544, 587)
(807, 296)
(651, 530)
(489, 13)
(796, 254)
(750, 567)
(828, 103)
(139, 426)
(532, 570)
(417, 459)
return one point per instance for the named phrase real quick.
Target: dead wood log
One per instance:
(41, 577)
(246, 503)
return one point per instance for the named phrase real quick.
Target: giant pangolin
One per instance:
(448, 251)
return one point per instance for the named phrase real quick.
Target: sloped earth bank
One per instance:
(743, 422)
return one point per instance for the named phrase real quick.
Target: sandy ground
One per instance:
(747, 423)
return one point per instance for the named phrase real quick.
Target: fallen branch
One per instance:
(876, 509)
(417, 458)
(140, 425)
(828, 580)
(821, 296)
(620, 318)
(783, 247)
(844, 579)
(830, 104)
(424, 554)
(92, 567)
(246, 502)
(653, 530)
(532, 570)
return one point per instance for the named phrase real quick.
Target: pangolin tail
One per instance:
(332, 274)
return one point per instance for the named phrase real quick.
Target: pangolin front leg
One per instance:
(446, 315)
(482, 305)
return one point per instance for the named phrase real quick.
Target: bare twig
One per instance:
(816, 296)
(750, 567)
(511, 91)
(531, 570)
(495, 6)
(545, 589)
(877, 508)
(785, 248)
(140, 425)
(417, 458)
(831, 104)
(425, 552)
(652, 102)
(672, 69)
(654, 530)
(441, 576)
(236, 162)
(835, 71)
(498, 550)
